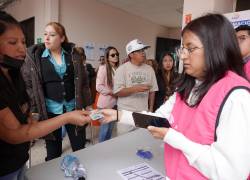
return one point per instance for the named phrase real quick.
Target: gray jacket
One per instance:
(32, 76)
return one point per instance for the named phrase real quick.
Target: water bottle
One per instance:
(73, 168)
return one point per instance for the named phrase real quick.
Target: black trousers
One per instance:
(77, 141)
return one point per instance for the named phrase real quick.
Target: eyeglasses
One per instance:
(242, 38)
(187, 51)
(113, 55)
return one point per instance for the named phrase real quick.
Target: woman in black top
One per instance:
(16, 126)
(165, 79)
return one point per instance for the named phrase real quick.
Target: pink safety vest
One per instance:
(247, 69)
(198, 124)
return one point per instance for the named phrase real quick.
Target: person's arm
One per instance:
(26, 74)
(120, 88)
(154, 87)
(151, 100)
(229, 156)
(166, 108)
(125, 117)
(124, 92)
(11, 131)
(131, 90)
(100, 82)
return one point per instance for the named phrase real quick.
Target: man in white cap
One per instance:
(134, 81)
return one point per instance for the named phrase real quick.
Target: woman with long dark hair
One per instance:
(166, 77)
(209, 113)
(104, 86)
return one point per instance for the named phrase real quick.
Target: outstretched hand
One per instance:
(158, 133)
(109, 115)
(78, 117)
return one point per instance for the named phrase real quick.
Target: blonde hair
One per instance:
(59, 29)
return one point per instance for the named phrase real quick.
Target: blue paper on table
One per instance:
(73, 168)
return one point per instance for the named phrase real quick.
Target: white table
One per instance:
(104, 159)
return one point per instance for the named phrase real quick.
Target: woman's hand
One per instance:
(109, 115)
(78, 117)
(157, 132)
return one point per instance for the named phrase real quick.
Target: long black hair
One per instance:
(6, 21)
(221, 51)
(109, 69)
(162, 71)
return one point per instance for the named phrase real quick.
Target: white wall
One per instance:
(96, 22)
(92, 21)
(224, 6)
(174, 33)
(198, 8)
(24, 9)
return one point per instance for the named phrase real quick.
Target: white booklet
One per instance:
(140, 172)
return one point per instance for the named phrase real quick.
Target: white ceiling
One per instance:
(163, 12)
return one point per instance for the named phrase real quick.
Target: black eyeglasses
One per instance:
(187, 50)
(113, 55)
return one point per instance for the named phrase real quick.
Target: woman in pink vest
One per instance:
(209, 114)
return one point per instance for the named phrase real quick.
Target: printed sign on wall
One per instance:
(239, 18)
(93, 50)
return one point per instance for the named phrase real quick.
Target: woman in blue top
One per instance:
(57, 83)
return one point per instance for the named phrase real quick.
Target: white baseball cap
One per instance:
(135, 45)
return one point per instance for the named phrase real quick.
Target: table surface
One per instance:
(103, 160)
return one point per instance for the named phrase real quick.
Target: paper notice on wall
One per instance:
(101, 49)
(89, 48)
(140, 172)
(93, 50)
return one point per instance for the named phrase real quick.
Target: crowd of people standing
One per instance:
(207, 104)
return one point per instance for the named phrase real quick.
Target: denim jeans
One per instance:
(63, 131)
(17, 175)
(105, 132)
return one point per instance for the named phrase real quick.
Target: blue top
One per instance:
(51, 105)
